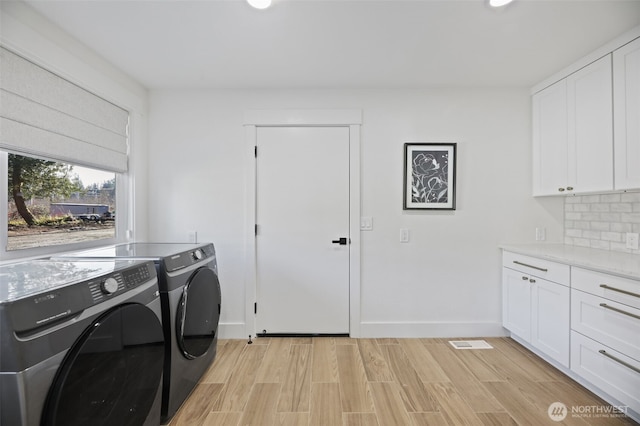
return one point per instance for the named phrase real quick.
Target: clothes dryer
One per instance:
(191, 304)
(81, 343)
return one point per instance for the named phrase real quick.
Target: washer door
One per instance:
(198, 313)
(111, 375)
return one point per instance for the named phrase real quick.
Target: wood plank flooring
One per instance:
(327, 381)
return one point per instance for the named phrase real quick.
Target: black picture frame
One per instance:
(429, 176)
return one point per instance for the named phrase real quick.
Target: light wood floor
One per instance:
(381, 382)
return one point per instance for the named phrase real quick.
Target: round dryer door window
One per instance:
(198, 313)
(111, 375)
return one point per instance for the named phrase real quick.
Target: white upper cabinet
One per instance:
(550, 148)
(626, 79)
(573, 133)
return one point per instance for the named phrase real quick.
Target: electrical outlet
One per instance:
(404, 235)
(192, 236)
(541, 234)
(632, 240)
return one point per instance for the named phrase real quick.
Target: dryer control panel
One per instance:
(187, 258)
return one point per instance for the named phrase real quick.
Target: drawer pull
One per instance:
(619, 361)
(611, 308)
(531, 266)
(619, 290)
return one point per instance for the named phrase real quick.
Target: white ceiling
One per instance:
(341, 43)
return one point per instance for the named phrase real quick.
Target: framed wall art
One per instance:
(429, 176)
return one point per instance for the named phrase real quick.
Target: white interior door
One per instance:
(302, 207)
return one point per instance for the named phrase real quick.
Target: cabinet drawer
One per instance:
(609, 370)
(622, 290)
(552, 271)
(608, 322)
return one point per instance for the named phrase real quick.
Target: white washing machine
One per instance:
(191, 304)
(81, 343)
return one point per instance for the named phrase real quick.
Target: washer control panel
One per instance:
(116, 283)
(45, 309)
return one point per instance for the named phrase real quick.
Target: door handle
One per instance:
(342, 241)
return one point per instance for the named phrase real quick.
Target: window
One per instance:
(64, 152)
(51, 203)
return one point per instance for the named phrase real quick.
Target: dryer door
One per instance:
(111, 375)
(198, 313)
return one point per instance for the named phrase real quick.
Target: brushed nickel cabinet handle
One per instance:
(619, 361)
(531, 266)
(611, 308)
(619, 290)
(569, 188)
(561, 189)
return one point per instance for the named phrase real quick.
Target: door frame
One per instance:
(351, 118)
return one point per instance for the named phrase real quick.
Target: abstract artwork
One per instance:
(429, 176)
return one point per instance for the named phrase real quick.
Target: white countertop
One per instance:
(611, 262)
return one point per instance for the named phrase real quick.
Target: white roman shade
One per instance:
(44, 115)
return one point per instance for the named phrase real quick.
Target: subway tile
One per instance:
(601, 221)
(612, 236)
(620, 227)
(622, 207)
(591, 199)
(581, 207)
(610, 217)
(581, 224)
(592, 235)
(573, 233)
(630, 217)
(610, 198)
(630, 197)
(591, 216)
(601, 226)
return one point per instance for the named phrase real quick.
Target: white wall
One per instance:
(446, 281)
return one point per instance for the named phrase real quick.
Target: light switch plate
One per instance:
(404, 235)
(366, 223)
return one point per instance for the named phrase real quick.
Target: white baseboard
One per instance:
(396, 329)
(232, 331)
(431, 329)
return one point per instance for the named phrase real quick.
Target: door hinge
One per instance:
(255, 230)
(255, 151)
(255, 308)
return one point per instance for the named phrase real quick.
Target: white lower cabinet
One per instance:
(609, 370)
(605, 333)
(534, 308)
(587, 321)
(611, 323)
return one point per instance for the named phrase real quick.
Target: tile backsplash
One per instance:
(602, 221)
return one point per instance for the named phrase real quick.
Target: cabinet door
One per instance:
(590, 128)
(550, 319)
(550, 140)
(516, 303)
(626, 98)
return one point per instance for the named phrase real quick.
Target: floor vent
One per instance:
(470, 344)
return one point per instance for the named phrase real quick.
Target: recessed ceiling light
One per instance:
(260, 4)
(498, 3)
